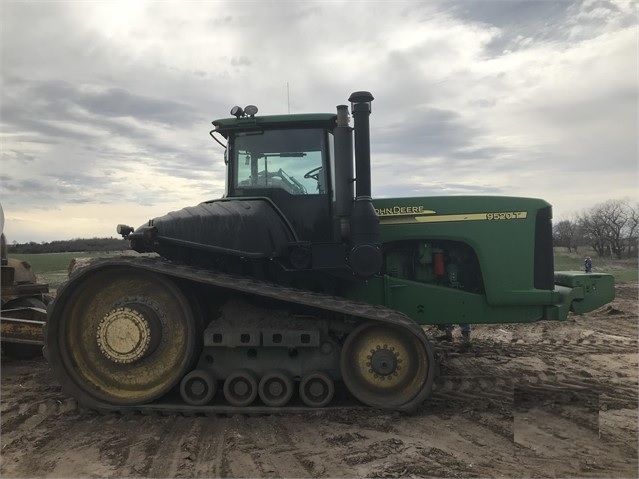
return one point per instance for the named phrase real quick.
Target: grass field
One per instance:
(52, 268)
(624, 270)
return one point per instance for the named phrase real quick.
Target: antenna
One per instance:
(288, 98)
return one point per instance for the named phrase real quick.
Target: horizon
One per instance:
(109, 123)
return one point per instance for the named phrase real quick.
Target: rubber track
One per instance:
(316, 301)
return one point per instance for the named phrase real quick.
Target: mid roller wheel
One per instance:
(276, 388)
(240, 388)
(198, 387)
(317, 389)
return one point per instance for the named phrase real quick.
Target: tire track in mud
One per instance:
(491, 370)
(29, 395)
(154, 451)
(554, 400)
(429, 443)
(449, 444)
(346, 444)
(492, 392)
(30, 405)
(577, 346)
(263, 446)
(75, 442)
(568, 441)
(180, 447)
(70, 444)
(572, 399)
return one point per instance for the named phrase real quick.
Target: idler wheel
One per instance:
(240, 388)
(384, 365)
(198, 387)
(121, 335)
(317, 389)
(276, 388)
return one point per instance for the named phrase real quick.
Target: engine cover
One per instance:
(251, 227)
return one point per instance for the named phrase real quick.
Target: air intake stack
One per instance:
(344, 175)
(361, 110)
(365, 257)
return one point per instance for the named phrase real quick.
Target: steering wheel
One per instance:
(314, 173)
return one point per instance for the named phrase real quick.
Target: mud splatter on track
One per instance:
(546, 399)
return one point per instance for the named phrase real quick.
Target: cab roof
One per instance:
(229, 125)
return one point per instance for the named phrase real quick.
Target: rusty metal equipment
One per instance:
(24, 305)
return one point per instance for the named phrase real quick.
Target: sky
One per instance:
(106, 107)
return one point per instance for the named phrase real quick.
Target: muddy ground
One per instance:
(539, 400)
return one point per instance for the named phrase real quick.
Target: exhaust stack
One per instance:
(365, 257)
(361, 110)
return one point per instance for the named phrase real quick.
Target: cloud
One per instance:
(427, 132)
(108, 105)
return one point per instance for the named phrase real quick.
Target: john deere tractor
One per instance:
(297, 290)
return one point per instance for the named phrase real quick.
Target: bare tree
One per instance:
(594, 232)
(614, 215)
(610, 226)
(632, 229)
(567, 233)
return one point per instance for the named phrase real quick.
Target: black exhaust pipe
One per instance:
(365, 257)
(361, 110)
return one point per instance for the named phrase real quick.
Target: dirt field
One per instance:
(539, 400)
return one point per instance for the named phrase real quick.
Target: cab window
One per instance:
(291, 160)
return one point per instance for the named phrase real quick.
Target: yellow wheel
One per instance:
(385, 366)
(121, 336)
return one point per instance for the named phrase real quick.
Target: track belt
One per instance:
(319, 303)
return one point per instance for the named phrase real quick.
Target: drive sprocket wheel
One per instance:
(121, 336)
(385, 366)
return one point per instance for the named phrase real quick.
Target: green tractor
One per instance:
(297, 290)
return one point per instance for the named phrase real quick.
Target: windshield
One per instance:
(291, 160)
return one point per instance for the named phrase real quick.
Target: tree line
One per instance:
(610, 228)
(68, 246)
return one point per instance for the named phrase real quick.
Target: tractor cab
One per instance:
(289, 197)
(288, 160)
(304, 165)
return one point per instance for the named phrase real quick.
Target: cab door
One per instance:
(290, 167)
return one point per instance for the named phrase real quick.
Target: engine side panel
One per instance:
(470, 260)
(500, 230)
